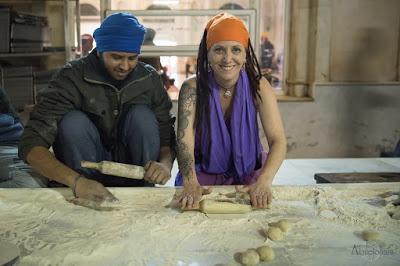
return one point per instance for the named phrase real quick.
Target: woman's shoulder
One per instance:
(263, 83)
(190, 82)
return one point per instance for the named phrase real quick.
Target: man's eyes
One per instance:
(118, 57)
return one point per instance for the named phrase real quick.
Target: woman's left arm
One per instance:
(260, 192)
(273, 129)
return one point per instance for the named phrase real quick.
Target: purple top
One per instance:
(235, 147)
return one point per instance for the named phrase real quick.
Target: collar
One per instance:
(93, 70)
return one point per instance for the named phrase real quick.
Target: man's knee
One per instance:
(74, 124)
(141, 119)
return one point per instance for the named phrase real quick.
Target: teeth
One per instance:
(226, 67)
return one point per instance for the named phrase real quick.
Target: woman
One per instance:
(218, 141)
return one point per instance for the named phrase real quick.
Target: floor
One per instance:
(301, 171)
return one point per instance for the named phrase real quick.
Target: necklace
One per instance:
(228, 91)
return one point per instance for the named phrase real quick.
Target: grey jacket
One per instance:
(79, 85)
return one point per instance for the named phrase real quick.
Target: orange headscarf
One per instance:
(225, 27)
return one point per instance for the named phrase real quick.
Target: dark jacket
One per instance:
(80, 85)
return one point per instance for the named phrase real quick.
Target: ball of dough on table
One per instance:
(369, 235)
(283, 224)
(274, 233)
(266, 253)
(250, 257)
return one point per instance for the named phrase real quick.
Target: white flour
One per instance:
(142, 231)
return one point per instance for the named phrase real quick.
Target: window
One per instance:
(178, 27)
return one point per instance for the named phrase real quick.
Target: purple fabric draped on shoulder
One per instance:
(234, 148)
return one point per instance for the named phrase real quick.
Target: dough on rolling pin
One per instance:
(223, 207)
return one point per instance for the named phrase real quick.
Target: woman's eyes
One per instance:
(235, 50)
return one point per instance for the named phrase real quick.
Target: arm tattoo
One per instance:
(187, 99)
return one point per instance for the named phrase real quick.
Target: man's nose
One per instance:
(124, 65)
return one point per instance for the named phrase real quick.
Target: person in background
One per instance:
(267, 53)
(105, 106)
(14, 173)
(218, 136)
(87, 44)
(155, 61)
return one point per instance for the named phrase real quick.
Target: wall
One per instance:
(343, 121)
(332, 42)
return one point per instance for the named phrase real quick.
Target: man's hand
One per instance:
(92, 190)
(156, 173)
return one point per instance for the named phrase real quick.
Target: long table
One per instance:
(144, 230)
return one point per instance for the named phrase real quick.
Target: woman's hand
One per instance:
(92, 190)
(260, 193)
(191, 195)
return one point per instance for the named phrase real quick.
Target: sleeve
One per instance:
(59, 98)
(162, 105)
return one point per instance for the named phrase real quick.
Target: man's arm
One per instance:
(160, 172)
(43, 161)
(41, 130)
(167, 156)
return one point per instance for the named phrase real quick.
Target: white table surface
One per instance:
(50, 231)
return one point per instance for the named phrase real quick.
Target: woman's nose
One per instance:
(227, 56)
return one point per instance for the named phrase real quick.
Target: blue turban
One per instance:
(120, 32)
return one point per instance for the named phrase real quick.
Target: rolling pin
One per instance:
(223, 207)
(117, 169)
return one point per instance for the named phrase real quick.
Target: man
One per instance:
(106, 106)
(87, 44)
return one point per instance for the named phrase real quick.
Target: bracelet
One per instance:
(73, 187)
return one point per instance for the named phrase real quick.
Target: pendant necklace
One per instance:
(228, 91)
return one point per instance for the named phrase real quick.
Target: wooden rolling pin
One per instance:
(223, 207)
(118, 169)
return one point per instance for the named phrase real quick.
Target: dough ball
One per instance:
(266, 253)
(284, 225)
(369, 235)
(250, 257)
(274, 233)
